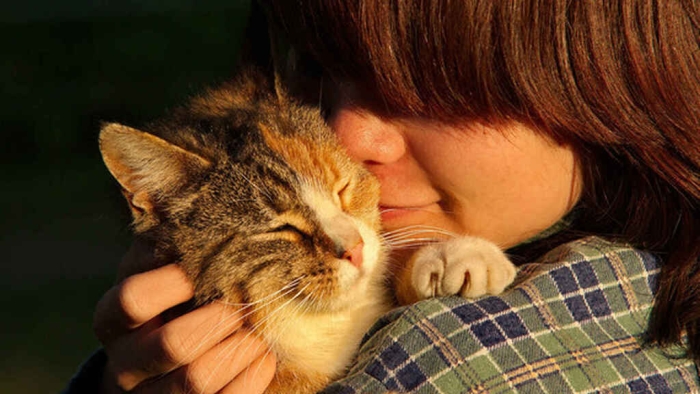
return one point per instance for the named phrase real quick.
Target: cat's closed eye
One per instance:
(291, 226)
(290, 229)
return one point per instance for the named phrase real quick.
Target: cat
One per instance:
(254, 197)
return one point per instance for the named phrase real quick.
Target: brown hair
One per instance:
(618, 80)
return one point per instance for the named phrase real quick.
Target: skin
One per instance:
(505, 183)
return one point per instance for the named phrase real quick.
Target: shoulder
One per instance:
(591, 273)
(602, 252)
(574, 321)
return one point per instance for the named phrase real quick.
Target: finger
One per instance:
(214, 370)
(256, 378)
(138, 299)
(137, 357)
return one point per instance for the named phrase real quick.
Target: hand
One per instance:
(203, 351)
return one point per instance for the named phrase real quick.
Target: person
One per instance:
(567, 132)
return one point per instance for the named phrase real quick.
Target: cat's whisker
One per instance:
(273, 313)
(270, 315)
(258, 307)
(415, 236)
(414, 226)
(213, 372)
(223, 324)
(412, 246)
(229, 350)
(267, 354)
(412, 236)
(284, 291)
(418, 209)
(406, 232)
(289, 285)
(266, 300)
(409, 229)
(301, 304)
(289, 290)
(222, 320)
(412, 241)
(225, 353)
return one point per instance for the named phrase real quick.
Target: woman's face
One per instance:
(505, 183)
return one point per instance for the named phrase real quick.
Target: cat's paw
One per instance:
(466, 266)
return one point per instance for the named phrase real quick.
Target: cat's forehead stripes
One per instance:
(256, 181)
(278, 174)
(309, 158)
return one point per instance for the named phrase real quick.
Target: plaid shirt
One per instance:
(574, 322)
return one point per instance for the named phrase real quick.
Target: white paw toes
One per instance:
(468, 266)
(428, 271)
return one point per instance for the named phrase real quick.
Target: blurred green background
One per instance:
(65, 67)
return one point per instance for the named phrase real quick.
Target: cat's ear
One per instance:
(146, 166)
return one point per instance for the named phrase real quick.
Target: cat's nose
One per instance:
(354, 254)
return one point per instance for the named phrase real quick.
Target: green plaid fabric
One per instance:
(573, 323)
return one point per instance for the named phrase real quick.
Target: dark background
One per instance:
(65, 66)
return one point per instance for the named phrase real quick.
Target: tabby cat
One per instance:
(252, 195)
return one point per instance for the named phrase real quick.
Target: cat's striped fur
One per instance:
(255, 199)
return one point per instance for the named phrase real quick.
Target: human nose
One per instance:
(368, 138)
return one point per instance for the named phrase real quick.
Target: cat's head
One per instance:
(258, 206)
